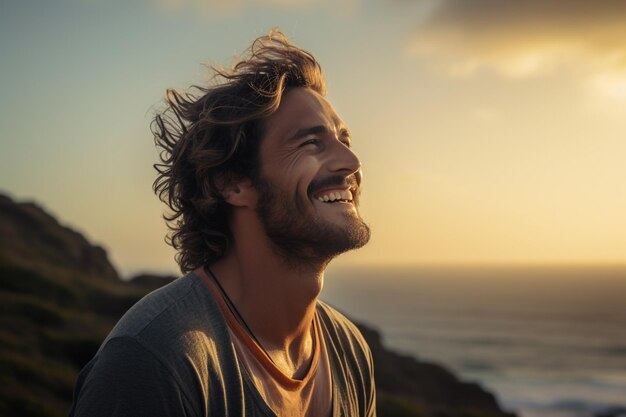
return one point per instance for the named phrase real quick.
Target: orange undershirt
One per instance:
(287, 397)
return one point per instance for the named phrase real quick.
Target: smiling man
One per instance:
(263, 188)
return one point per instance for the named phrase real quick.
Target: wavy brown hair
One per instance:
(210, 136)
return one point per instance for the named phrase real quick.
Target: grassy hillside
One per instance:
(60, 296)
(49, 329)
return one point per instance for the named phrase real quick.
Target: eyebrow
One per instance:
(316, 130)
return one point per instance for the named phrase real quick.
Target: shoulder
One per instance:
(179, 322)
(175, 335)
(351, 362)
(342, 331)
(337, 320)
(159, 305)
(124, 379)
(180, 311)
(180, 325)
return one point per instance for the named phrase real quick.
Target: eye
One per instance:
(345, 138)
(312, 141)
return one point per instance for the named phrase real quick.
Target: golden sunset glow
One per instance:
(489, 131)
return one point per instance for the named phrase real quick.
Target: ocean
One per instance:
(547, 341)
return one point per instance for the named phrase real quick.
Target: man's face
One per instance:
(309, 181)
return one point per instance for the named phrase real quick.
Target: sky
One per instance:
(490, 131)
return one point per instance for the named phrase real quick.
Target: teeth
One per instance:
(336, 195)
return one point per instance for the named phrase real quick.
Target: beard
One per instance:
(299, 234)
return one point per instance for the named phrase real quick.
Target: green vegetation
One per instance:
(60, 296)
(392, 406)
(47, 336)
(17, 280)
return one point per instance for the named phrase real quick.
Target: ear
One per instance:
(240, 193)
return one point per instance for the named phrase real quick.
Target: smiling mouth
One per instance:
(335, 196)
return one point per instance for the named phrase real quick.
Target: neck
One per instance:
(277, 299)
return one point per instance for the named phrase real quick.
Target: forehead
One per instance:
(300, 108)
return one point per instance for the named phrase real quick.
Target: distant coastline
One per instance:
(547, 341)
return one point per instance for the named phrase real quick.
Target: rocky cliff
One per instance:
(60, 295)
(33, 240)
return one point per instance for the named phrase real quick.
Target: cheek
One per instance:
(308, 166)
(293, 174)
(305, 171)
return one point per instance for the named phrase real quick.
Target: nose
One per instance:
(344, 160)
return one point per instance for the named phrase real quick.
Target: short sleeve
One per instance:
(125, 379)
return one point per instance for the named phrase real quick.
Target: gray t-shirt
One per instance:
(171, 355)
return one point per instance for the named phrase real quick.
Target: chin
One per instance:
(346, 237)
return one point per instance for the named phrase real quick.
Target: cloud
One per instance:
(523, 38)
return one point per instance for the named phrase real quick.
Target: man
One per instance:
(263, 188)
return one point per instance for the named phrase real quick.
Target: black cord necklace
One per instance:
(233, 309)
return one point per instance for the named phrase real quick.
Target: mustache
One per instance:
(353, 181)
